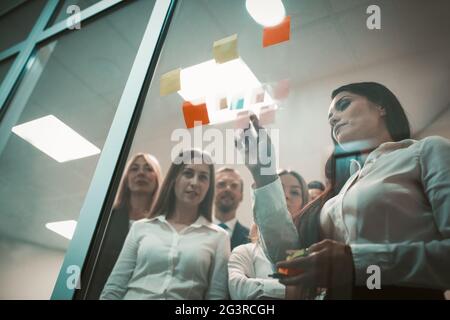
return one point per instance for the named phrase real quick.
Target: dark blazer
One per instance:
(239, 236)
(116, 232)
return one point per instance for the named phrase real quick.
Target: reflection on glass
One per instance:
(50, 139)
(17, 18)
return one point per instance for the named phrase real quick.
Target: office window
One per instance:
(51, 138)
(17, 18)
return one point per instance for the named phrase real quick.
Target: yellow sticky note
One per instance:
(225, 49)
(170, 82)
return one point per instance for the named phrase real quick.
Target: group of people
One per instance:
(386, 202)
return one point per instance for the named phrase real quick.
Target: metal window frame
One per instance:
(118, 139)
(133, 95)
(39, 33)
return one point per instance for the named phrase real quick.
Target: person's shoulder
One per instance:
(216, 229)
(433, 141)
(141, 224)
(246, 248)
(433, 145)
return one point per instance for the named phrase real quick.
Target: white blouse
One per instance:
(248, 275)
(157, 262)
(394, 212)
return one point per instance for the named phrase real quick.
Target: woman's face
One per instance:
(354, 118)
(192, 184)
(293, 193)
(141, 177)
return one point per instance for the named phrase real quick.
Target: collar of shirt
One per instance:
(230, 224)
(200, 222)
(382, 149)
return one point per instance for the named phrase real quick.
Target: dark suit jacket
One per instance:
(112, 244)
(240, 235)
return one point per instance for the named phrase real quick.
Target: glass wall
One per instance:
(17, 18)
(4, 67)
(327, 44)
(51, 138)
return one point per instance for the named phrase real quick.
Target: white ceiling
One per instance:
(330, 45)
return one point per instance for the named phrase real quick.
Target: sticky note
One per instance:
(258, 95)
(195, 113)
(225, 49)
(266, 115)
(170, 82)
(276, 34)
(281, 90)
(223, 104)
(238, 104)
(242, 120)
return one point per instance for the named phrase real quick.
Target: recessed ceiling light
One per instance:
(63, 228)
(212, 83)
(268, 13)
(56, 139)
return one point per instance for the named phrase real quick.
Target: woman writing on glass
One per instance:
(393, 212)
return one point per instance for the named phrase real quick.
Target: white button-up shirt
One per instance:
(248, 275)
(394, 212)
(157, 262)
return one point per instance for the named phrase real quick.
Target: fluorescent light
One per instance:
(63, 228)
(56, 139)
(209, 82)
(268, 13)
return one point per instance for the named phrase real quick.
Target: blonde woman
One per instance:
(137, 191)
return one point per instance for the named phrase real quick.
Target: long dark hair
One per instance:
(337, 166)
(165, 204)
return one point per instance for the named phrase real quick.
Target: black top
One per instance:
(112, 244)
(239, 236)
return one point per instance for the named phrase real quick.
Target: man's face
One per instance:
(228, 191)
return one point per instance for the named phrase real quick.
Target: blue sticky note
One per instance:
(239, 104)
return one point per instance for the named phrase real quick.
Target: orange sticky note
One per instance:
(278, 33)
(170, 82)
(242, 120)
(266, 115)
(195, 113)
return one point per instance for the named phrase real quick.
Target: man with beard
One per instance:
(229, 194)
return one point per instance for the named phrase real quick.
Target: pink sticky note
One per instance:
(242, 120)
(281, 90)
(266, 115)
(258, 95)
